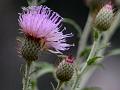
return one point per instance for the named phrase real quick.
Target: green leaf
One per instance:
(95, 35)
(92, 88)
(85, 52)
(114, 52)
(93, 60)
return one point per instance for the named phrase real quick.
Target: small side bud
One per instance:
(104, 18)
(65, 69)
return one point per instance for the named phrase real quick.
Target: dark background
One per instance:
(10, 77)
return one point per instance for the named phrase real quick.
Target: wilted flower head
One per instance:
(43, 23)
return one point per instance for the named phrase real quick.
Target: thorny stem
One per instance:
(82, 43)
(26, 77)
(107, 36)
(59, 85)
(92, 53)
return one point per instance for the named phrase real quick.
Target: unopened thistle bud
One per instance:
(30, 48)
(95, 5)
(65, 69)
(104, 18)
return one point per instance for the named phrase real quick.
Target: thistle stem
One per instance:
(84, 37)
(92, 53)
(34, 84)
(107, 36)
(26, 77)
(59, 85)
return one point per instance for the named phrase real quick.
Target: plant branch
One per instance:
(59, 85)
(107, 36)
(92, 53)
(26, 77)
(83, 41)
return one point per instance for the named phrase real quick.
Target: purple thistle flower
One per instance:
(43, 23)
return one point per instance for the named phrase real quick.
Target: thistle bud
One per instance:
(95, 5)
(65, 69)
(30, 48)
(104, 18)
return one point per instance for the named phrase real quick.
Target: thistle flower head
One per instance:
(104, 18)
(43, 23)
(65, 69)
(69, 59)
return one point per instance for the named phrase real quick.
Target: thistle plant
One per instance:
(41, 28)
(43, 31)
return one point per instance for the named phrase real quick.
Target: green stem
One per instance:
(26, 77)
(107, 36)
(84, 37)
(59, 85)
(34, 85)
(92, 53)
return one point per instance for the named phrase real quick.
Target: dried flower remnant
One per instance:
(43, 26)
(104, 18)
